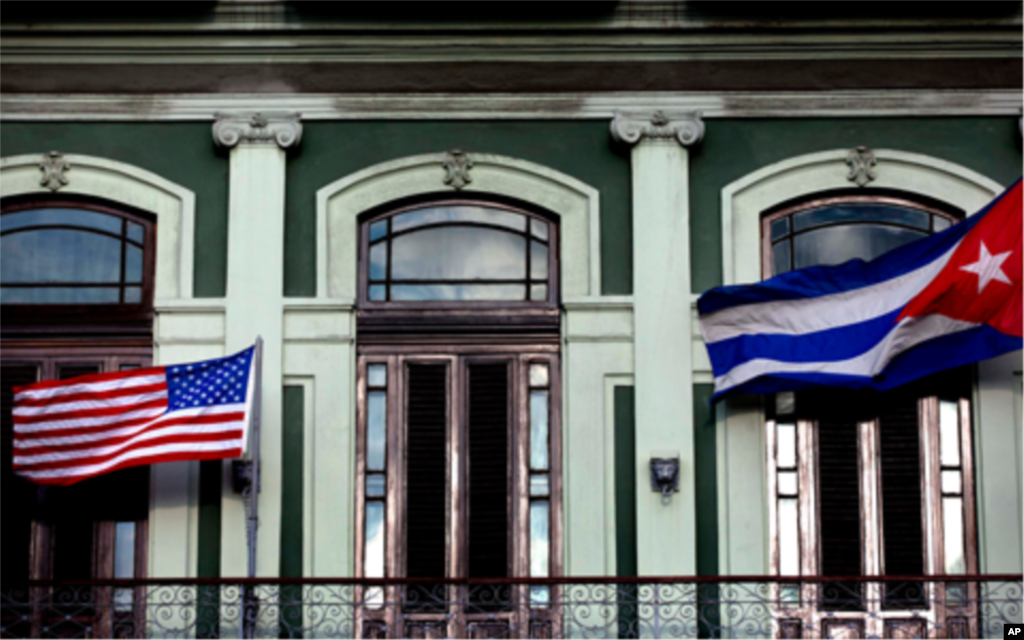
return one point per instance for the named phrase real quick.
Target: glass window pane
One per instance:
(458, 253)
(136, 232)
(376, 430)
(941, 223)
(780, 257)
(785, 403)
(951, 482)
(421, 292)
(377, 375)
(59, 295)
(780, 227)
(538, 430)
(786, 445)
(539, 292)
(379, 261)
(949, 434)
(132, 264)
(539, 537)
(953, 534)
(539, 485)
(835, 245)
(73, 217)
(458, 213)
(787, 483)
(789, 538)
(132, 295)
(60, 255)
(124, 550)
(538, 261)
(860, 212)
(377, 292)
(538, 374)
(539, 228)
(378, 230)
(375, 485)
(374, 560)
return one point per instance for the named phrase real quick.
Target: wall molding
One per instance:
(743, 200)
(496, 106)
(172, 204)
(340, 203)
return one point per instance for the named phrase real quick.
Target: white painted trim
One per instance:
(745, 199)
(308, 384)
(172, 204)
(339, 203)
(503, 106)
(611, 380)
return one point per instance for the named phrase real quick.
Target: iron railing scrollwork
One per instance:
(683, 607)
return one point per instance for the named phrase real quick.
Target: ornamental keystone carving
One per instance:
(53, 166)
(272, 127)
(456, 165)
(686, 128)
(862, 163)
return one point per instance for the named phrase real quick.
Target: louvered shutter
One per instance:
(425, 471)
(489, 489)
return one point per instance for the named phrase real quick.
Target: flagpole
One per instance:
(247, 628)
(254, 439)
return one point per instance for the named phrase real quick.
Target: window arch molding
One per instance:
(125, 184)
(340, 204)
(744, 200)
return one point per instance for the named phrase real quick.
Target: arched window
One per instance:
(866, 483)
(832, 230)
(74, 253)
(76, 286)
(459, 251)
(459, 395)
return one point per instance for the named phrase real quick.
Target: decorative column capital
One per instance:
(687, 128)
(272, 127)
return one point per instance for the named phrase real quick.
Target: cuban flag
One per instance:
(69, 430)
(946, 300)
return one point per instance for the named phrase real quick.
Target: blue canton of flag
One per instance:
(209, 383)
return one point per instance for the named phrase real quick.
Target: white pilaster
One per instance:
(666, 529)
(255, 289)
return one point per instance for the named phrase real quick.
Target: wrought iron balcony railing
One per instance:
(671, 607)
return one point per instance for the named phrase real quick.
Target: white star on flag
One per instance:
(988, 267)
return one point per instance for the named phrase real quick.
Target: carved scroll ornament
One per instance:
(282, 129)
(53, 166)
(862, 163)
(686, 128)
(456, 165)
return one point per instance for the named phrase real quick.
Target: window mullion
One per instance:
(458, 496)
(870, 497)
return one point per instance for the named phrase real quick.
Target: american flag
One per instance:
(70, 430)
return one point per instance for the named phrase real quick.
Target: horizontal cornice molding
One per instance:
(299, 45)
(585, 106)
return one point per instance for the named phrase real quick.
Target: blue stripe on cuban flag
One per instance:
(836, 325)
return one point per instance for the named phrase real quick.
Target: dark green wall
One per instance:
(706, 478)
(291, 482)
(625, 482)
(180, 152)
(332, 150)
(733, 148)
